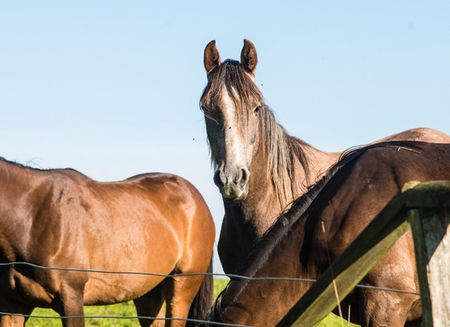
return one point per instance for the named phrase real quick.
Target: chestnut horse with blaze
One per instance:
(156, 223)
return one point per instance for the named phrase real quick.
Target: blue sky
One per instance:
(111, 88)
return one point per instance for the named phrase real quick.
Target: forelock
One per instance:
(240, 86)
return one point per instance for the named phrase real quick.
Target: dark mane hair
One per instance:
(300, 208)
(282, 149)
(24, 166)
(20, 165)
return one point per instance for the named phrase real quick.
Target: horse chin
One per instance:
(235, 195)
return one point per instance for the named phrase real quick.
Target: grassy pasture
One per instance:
(127, 309)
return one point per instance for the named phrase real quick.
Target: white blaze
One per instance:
(233, 140)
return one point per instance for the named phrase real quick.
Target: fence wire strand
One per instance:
(124, 317)
(232, 276)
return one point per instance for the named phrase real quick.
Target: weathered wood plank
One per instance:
(351, 266)
(431, 232)
(435, 194)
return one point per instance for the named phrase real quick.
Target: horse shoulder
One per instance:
(356, 195)
(57, 204)
(69, 190)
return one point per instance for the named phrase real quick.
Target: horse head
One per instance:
(232, 105)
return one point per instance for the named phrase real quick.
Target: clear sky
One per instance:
(111, 88)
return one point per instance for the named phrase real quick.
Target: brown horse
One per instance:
(260, 169)
(156, 223)
(322, 223)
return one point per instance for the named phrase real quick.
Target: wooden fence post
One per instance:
(431, 232)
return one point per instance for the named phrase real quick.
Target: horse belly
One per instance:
(159, 255)
(99, 290)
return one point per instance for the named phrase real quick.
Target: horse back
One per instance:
(154, 211)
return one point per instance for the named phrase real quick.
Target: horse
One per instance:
(259, 168)
(156, 222)
(321, 224)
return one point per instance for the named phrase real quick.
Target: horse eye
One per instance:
(256, 110)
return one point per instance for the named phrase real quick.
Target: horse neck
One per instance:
(319, 162)
(282, 260)
(277, 179)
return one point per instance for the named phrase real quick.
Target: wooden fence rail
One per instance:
(423, 206)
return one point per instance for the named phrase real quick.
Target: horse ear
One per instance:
(249, 58)
(211, 57)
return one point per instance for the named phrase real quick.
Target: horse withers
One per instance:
(260, 168)
(157, 223)
(321, 224)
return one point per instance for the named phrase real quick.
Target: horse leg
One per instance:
(150, 305)
(69, 302)
(11, 320)
(14, 321)
(180, 293)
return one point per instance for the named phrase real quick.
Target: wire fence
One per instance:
(231, 276)
(207, 322)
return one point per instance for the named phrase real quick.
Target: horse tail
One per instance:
(203, 300)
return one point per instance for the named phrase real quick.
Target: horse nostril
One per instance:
(244, 176)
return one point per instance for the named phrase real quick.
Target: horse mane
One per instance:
(282, 149)
(18, 164)
(25, 166)
(280, 230)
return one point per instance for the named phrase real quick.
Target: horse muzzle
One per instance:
(232, 186)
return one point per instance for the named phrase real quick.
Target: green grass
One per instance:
(219, 285)
(127, 309)
(120, 309)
